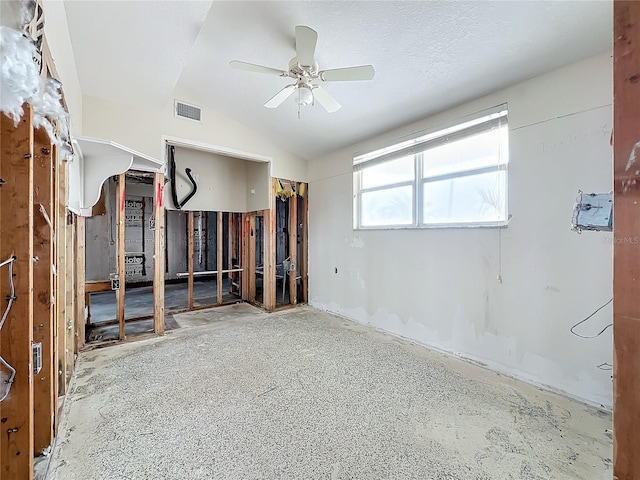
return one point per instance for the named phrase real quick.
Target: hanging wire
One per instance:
(584, 320)
(10, 298)
(605, 366)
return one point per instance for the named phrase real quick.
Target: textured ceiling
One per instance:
(428, 56)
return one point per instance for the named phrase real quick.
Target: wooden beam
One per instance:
(626, 228)
(232, 249)
(251, 263)
(120, 244)
(244, 256)
(44, 392)
(293, 249)
(80, 278)
(269, 279)
(303, 219)
(219, 238)
(159, 255)
(70, 312)
(190, 256)
(55, 327)
(61, 278)
(16, 239)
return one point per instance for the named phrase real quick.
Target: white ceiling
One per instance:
(428, 56)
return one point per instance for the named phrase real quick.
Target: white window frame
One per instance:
(415, 145)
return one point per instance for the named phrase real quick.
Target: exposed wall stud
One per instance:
(626, 225)
(159, 214)
(16, 239)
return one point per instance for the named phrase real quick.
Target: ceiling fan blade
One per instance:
(327, 101)
(280, 97)
(363, 72)
(252, 67)
(306, 39)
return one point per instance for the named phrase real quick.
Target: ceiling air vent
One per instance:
(191, 112)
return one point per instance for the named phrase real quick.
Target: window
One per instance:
(453, 176)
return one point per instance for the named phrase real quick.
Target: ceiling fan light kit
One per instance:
(304, 69)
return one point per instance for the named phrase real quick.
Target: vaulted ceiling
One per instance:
(428, 56)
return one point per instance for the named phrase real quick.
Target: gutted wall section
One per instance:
(440, 287)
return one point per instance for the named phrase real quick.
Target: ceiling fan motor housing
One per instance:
(297, 71)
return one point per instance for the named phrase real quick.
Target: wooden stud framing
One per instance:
(121, 254)
(159, 255)
(54, 260)
(626, 227)
(70, 296)
(80, 282)
(303, 215)
(190, 256)
(44, 392)
(61, 278)
(293, 249)
(16, 239)
(219, 238)
(251, 261)
(230, 247)
(269, 279)
(244, 257)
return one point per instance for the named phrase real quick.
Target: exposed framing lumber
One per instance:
(120, 200)
(251, 261)
(70, 292)
(219, 238)
(244, 256)
(80, 277)
(61, 278)
(303, 219)
(293, 249)
(159, 255)
(230, 248)
(626, 263)
(269, 278)
(44, 392)
(16, 239)
(54, 259)
(190, 257)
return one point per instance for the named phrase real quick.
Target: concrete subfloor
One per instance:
(300, 394)
(138, 301)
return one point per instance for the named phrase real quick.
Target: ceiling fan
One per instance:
(304, 69)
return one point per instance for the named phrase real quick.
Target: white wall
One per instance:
(224, 183)
(439, 286)
(142, 130)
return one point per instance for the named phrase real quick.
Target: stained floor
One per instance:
(239, 394)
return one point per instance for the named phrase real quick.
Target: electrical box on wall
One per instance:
(593, 211)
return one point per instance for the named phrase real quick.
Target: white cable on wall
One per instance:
(11, 298)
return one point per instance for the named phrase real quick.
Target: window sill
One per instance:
(440, 226)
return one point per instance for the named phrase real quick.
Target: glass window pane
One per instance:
(393, 206)
(388, 173)
(473, 198)
(482, 150)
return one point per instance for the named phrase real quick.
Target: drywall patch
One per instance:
(354, 242)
